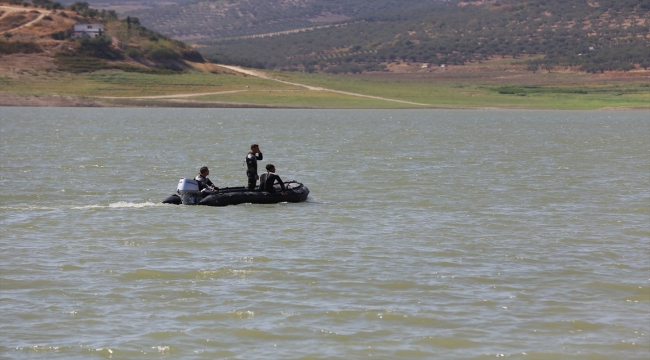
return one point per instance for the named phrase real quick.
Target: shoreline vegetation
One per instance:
(490, 85)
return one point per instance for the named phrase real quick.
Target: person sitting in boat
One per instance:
(204, 182)
(268, 179)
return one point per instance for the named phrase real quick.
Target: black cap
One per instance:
(269, 167)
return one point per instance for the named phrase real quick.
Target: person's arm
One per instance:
(209, 184)
(259, 156)
(284, 190)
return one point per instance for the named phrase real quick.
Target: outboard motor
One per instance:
(188, 190)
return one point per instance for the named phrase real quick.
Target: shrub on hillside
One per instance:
(19, 47)
(47, 4)
(192, 55)
(344, 69)
(134, 53)
(76, 63)
(162, 53)
(645, 64)
(59, 35)
(160, 50)
(374, 67)
(79, 6)
(99, 47)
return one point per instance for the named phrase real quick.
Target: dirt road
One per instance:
(9, 10)
(314, 88)
(175, 96)
(263, 75)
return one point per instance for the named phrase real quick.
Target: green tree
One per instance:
(99, 47)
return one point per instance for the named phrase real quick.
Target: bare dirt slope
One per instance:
(31, 23)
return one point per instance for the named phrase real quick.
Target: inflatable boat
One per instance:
(188, 193)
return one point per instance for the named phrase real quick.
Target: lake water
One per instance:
(428, 234)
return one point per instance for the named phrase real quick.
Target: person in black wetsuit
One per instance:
(269, 178)
(203, 180)
(251, 164)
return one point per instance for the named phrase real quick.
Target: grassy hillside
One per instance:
(486, 86)
(593, 36)
(121, 84)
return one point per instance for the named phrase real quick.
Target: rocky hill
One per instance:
(44, 30)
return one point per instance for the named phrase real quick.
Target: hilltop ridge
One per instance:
(586, 35)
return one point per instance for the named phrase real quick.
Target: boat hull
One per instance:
(296, 192)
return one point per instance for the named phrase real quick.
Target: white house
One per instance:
(87, 30)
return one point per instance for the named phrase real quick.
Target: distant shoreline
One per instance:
(13, 100)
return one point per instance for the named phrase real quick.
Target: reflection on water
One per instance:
(434, 234)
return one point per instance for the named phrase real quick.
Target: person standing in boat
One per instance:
(203, 180)
(251, 164)
(269, 178)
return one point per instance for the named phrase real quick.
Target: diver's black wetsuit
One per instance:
(251, 172)
(204, 182)
(267, 180)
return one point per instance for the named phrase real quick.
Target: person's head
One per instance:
(255, 148)
(204, 171)
(270, 168)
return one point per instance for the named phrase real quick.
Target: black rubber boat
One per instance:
(296, 192)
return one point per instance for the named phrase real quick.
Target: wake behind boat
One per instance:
(188, 193)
